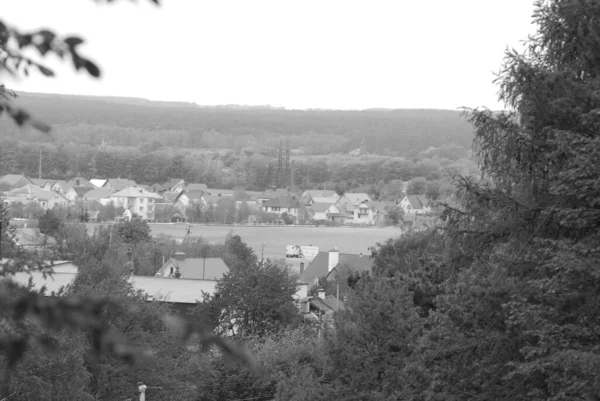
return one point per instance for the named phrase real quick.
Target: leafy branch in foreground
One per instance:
(75, 313)
(13, 61)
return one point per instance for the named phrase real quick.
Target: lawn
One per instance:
(270, 241)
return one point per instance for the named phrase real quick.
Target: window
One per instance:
(275, 209)
(141, 208)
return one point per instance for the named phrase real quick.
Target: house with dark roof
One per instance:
(320, 307)
(81, 182)
(42, 182)
(311, 196)
(272, 193)
(81, 191)
(282, 204)
(319, 211)
(415, 204)
(326, 264)
(137, 200)
(193, 268)
(13, 181)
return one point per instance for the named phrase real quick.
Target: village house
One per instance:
(33, 193)
(80, 182)
(14, 181)
(415, 204)
(101, 195)
(31, 239)
(311, 196)
(320, 307)
(43, 183)
(176, 184)
(49, 199)
(65, 189)
(326, 264)
(319, 211)
(282, 204)
(193, 268)
(118, 184)
(137, 200)
(361, 214)
(272, 193)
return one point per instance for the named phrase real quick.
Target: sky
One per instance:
(298, 54)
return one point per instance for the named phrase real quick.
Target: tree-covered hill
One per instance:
(123, 121)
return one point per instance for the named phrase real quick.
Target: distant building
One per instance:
(325, 264)
(13, 181)
(65, 189)
(311, 196)
(32, 239)
(101, 195)
(282, 204)
(218, 192)
(98, 183)
(118, 184)
(272, 193)
(415, 204)
(193, 268)
(80, 182)
(137, 200)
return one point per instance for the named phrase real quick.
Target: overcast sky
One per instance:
(341, 54)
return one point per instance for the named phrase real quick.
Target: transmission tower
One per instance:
(288, 171)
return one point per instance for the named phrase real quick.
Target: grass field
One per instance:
(270, 241)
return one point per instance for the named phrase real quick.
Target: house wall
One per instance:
(142, 206)
(280, 210)
(320, 216)
(363, 218)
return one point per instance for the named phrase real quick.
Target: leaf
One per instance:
(91, 68)
(46, 71)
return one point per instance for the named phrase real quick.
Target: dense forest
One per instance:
(124, 122)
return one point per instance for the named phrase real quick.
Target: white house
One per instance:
(65, 189)
(282, 204)
(415, 204)
(137, 200)
(362, 214)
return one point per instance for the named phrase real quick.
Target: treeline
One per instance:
(85, 120)
(229, 169)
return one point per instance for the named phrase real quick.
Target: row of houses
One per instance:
(359, 208)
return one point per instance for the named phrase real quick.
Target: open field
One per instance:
(270, 241)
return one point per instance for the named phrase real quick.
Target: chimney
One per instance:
(321, 293)
(180, 256)
(334, 259)
(301, 267)
(77, 182)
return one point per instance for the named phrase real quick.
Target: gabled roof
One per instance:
(417, 201)
(195, 195)
(274, 193)
(43, 195)
(97, 194)
(320, 207)
(121, 183)
(196, 268)
(98, 182)
(80, 182)
(32, 237)
(283, 201)
(319, 266)
(194, 186)
(12, 179)
(213, 199)
(64, 185)
(342, 212)
(161, 289)
(320, 199)
(40, 182)
(320, 193)
(134, 192)
(80, 191)
(26, 190)
(356, 198)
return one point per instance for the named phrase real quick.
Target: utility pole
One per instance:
(204, 262)
(40, 165)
